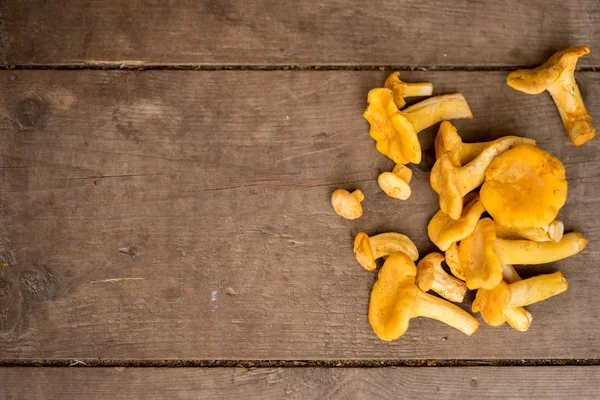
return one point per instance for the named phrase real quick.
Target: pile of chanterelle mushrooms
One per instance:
(521, 187)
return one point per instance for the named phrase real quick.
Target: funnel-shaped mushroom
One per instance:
(453, 261)
(557, 76)
(347, 204)
(395, 183)
(492, 303)
(452, 183)
(368, 249)
(524, 187)
(431, 276)
(396, 131)
(395, 299)
(443, 230)
(403, 89)
(552, 232)
(482, 254)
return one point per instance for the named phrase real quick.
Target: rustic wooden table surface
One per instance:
(166, 172)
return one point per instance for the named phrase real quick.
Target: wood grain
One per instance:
(301, 383)
(333, 32)
(166, 215)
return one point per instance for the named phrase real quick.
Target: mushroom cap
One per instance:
(536, 80)
(443, 230)
(448, 141)
(426, 270)
(524, 187)
(453, 261)
(443, 181)
(482, 266)
(394, 83)
(395, 135)
(347, 204)
(395, 185)
(392, 297)
(491, 303)
(362, 251)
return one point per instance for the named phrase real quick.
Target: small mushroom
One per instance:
(368, 249)
(396, 131)
(431, 276)
(552, 232)
(395, 299)
(453, 262)
(557, 76)
(443, 230)
(483, 254)
(403, 89)
(347, 204)
(452, 183)
(524, 187)
(518, 318)
(395, 183)
(492, 303)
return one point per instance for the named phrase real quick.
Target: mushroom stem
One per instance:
(509, 274)
(471, 150)
(417, 89)
(429, 306)
(536, 289)
(436, 109)
(529, 252)
(449, 287)
(551, 232)
(518, 318)
(574, 115)
(359, 195)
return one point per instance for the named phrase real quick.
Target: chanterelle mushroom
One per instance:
(431, 276)
(395, 299)
(403, 89)
(492, 303)
(552, 232)
(518, 318)
(452, 183)
(368, 249)
(395, 183)
(443, 230)
(347, 204)
(524, 187)
(557, 76)
(453, 260)
(396, 131)
(482, 254)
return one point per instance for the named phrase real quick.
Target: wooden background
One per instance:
(172, 214)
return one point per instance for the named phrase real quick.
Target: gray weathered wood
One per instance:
(333, 32)
(301, 383)
(211, 190)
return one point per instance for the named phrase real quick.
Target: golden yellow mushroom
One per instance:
(443, 230)
(347, 204)
(524, 188)
(395, 183)
(396, 131)
(403, 89)
(431, 276)
(557, 76)
(452, 183)
(492, 303)
(552, 232)
(368, 249)
(453, 260)
(518, 318)
(395, 299)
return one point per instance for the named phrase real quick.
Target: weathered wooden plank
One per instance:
(213, 188)
(334, 32)
(301, 383)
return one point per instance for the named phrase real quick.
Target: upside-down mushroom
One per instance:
(368, 249)
(395, 299)
(452, 183)
(431, 276)
(524, 187)
(492, 303)
(395, 183)
(347, 204)
(403, 89)
(443, 230)
(396, 131)
(557, 76)
(483, 254)
(552, 232)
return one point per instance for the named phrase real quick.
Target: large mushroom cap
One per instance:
(482, 266)
(392, 297)
(525, 187)
(536, 80)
